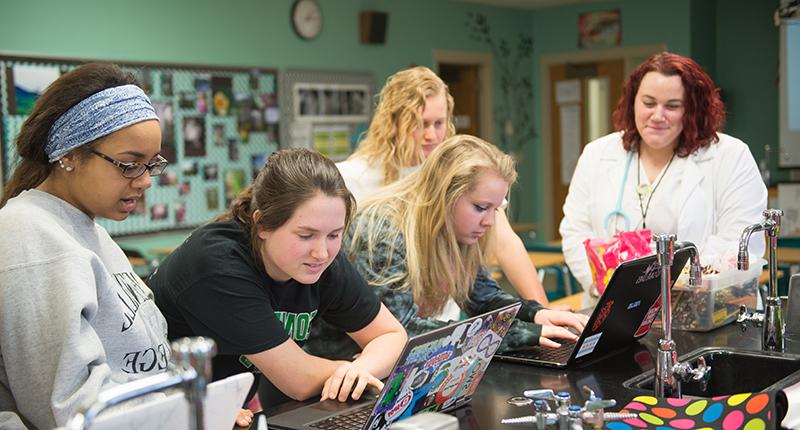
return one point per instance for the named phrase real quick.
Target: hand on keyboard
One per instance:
(551, 332)
(549, 317)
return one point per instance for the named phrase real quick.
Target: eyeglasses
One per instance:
(135, 169)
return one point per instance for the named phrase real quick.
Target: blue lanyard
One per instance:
(617, 211)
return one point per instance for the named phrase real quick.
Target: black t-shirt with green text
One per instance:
(211, 286)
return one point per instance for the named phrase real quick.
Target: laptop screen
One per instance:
(441, 369)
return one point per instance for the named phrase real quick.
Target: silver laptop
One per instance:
(437, 371)
(224, 399)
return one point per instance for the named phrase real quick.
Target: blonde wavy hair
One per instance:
(389, 142)
(420, 209)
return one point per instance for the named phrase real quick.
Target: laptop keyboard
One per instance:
(354, 419)
(543, 353)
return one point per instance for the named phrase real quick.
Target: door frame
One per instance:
(632, 56)
(486, 96)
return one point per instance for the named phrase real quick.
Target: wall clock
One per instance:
(306, 19)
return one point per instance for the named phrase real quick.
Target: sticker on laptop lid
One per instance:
(588, 345)
(601, 317)
(400, 406)
(488, 344)
(644, 327)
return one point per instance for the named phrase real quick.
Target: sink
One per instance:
(732, 371)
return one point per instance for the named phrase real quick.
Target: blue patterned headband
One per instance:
(96, 116)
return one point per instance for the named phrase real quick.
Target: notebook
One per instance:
(224, 399)
(624, 313)
(437, 371)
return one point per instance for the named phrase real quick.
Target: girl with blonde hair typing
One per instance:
(421, 242)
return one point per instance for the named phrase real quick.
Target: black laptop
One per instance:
(437, 371)
(624, 313)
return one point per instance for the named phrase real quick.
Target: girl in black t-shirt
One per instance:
(258, 277)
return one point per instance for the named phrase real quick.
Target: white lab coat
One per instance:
(720, 193)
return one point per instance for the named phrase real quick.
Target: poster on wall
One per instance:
(29, 82)
(332, 141)
(202, 111)
(602, 29)
(331, 102)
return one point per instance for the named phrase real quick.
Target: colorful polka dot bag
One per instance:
(746, 411)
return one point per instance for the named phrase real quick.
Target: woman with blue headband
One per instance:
(74, 317)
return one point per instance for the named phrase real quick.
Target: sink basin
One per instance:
(732, 371)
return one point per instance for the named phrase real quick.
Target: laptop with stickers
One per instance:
(437, 371)
(623, 314)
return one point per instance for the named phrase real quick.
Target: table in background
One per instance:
(552, 260)
(788, 255)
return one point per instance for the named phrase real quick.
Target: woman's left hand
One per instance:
(347, 378)
(561, 318)
(245, 418)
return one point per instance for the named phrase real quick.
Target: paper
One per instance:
(789, 202)
(568, 91)
(570, 140)
(332, 141)
(300, 134)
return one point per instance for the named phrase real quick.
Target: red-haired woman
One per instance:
(667, 168)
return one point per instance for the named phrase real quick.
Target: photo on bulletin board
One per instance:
(159, 211)
(141, 206)
(189, 168)
(221, 94)
(210, 172)
(194, 136)
(219, 134)
(28, 82)
(201, 87)
(184, 188)
(601, 29)
(180, 212)
(166, 84)
(166, 116)
(233, 150)
(212, 198)
(167, 177)
(235, 182)
(145, 78)
(186, 100)
(257, 162)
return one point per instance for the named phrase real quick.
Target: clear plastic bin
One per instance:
(716, 302)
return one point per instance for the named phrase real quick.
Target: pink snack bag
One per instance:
(605, 255)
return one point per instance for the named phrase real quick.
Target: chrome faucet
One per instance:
(190, 370)
(770, 320)
(669, 372)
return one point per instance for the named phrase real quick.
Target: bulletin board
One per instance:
(325, 111)
(218, 126)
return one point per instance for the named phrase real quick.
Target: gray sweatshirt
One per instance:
(74, 317)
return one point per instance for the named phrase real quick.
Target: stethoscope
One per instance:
(617, 212)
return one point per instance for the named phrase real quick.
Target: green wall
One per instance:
(734, 39)
(241, 32)
(747, 72)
